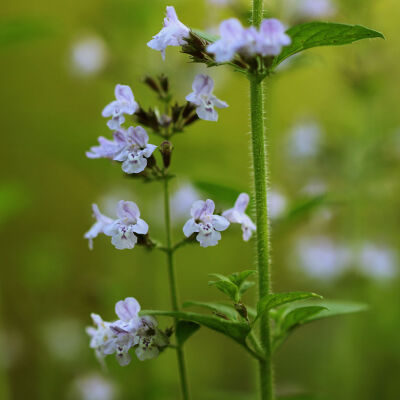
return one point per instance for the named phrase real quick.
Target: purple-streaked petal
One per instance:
(138, 136)
(134, 164)
(148, 150)
(128, 209)
(127, 309)
(108, 110)
(209, 207)
(202, 84)
(123, 93)
(207, 113)
(209, 239)
(125, 241)
(198, 208)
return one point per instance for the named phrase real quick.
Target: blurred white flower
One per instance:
(309, 9)
(88, 55)
(320, 257)
(377, 262)
(305, 140)
(277, 204)
(94, 387)
(315, 188)
(63, 338)
(182, 200)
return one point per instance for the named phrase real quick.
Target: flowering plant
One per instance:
(256, 52)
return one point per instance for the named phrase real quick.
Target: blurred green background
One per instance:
(333, 130)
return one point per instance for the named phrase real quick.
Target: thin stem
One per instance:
(174, 292)
(260, 187)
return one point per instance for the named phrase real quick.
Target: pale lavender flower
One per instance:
(203, 222)
(108, 148)
(88, 55)
(267, 41)
(233, 38)
(124, 104)
(101, 222)
(277, 204)
(315, 8)
(236, 215)
(93, 387)
(305, 140)
(377, 262)
(172, 34)
(123, 229)
(135, 149)
(204, 99)
(322, 258)
(272, 37)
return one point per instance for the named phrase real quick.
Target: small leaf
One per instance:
(239, 277)
(278, 299)
(245, 286)
(226, 287)
(299, 316)
(218, 308)
(314, 34)
(185, 329)
(234, 329)
(337, 307)
(209, 37)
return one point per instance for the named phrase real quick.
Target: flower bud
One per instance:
(152, 84)
(241, 309)
(166, 148)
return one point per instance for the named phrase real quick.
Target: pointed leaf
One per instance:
(314, 34)
(245, 286)
(185, 329)
(299, 316)
(278, 299)
(239, 277)
(234, 329)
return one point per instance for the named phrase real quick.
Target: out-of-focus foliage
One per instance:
(333, 132)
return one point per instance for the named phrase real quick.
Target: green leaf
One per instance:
(185, 329)
(245, 286)
(234, 329)
(278, 299)
(209, 37)
(220, 193)
(239, 277)
(334, 308)
(315, 34)
(227, 287)
(299, 316)
(218, 308)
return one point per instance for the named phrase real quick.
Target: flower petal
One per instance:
(242, 202)
(140, 227)
(128, 209)
(127, 309)
(219, 223)
(190, 227)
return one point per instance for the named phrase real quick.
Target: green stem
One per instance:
(174, 291)
(260, 186)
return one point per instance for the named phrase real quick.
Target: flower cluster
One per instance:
(131, 146)
(267, 41)
(208, 226)
(123, 230)
(129, 331)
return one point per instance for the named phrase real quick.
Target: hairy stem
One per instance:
(260, 186)
(174, 291)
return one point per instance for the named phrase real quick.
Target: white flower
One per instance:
(124, 104)
(205, 223)
(135, 151)
(376, 261)
(305, 140)
(204, 99)
(237, 215)
(102, 338)
(172, 34)
(322, 258)
(122, 230)
(88, 55)
(94, 387)
(101, 222)
(276, 204)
